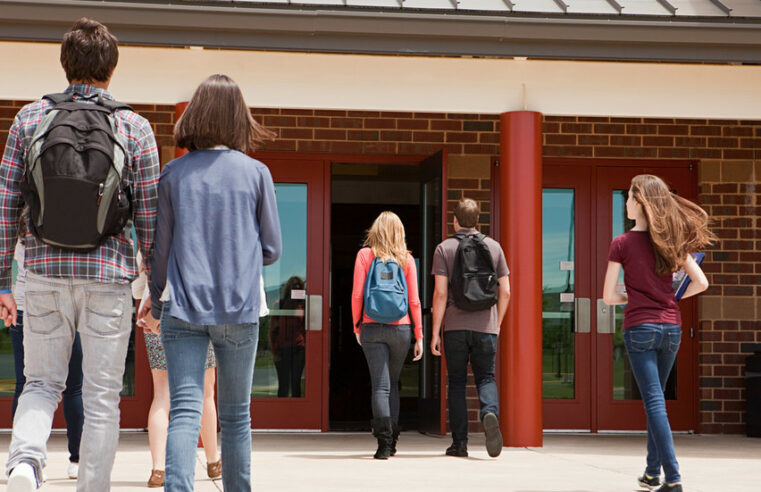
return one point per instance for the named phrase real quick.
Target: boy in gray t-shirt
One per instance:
(469, 335)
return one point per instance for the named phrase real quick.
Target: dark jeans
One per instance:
(652, 349)
(385, 347)
(481, 349)
(290, 366)
(73, 411)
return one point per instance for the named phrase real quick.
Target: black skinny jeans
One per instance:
(385, 347)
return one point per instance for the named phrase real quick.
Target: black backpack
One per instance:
(474, 280)
(74, 180)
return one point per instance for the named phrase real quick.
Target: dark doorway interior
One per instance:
(359, 192)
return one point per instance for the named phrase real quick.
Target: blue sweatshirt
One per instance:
(217, 224)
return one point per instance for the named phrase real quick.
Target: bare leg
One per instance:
(209, 418)
(158, 418)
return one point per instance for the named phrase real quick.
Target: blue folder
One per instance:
(681, 280)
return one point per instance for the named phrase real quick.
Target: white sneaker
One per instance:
(73, 470)
(22, 479)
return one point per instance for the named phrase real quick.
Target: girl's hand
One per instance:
(358, 341)
(150, 324)
(418, 349)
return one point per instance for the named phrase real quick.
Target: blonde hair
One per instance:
(677, 226)
(387, 239)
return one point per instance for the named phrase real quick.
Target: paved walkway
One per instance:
(343, 462)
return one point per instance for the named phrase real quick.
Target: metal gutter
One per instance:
(616, 37)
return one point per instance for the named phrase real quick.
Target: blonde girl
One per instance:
(385, 345)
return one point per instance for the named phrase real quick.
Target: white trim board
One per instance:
(153, 75)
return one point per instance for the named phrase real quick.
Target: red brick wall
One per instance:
(374, 132)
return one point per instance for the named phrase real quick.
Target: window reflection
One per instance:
(281, 353)
(558, 356)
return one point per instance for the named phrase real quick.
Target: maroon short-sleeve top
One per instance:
(651, 296)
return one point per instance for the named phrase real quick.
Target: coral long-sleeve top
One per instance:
(362, 264)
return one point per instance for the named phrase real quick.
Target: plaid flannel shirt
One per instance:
(114, 260)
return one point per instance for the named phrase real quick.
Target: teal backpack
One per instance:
(385, 299)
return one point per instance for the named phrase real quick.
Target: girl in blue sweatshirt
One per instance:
(217, 226)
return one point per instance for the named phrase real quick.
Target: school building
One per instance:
(541, 110)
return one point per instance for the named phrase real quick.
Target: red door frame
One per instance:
(305, 412)
(628, 414)
(575, 413)
(327, 160)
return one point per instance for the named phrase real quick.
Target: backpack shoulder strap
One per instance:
(59, 98)
(113, 105)
(364, 290)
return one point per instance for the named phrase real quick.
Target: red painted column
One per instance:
(179, 108)
(520, 346)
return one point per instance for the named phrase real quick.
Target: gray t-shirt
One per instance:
(443, 264)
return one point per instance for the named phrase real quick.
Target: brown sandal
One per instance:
(214, 470)
(157, 479)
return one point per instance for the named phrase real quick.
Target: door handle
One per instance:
(581, 315)
(314, 313)
(606, 318)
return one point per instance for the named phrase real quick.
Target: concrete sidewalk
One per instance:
(343, 462)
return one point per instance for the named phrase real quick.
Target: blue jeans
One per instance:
(73, 412)
(385, 347)
(481, 349)
(185, 346)
(652, 349)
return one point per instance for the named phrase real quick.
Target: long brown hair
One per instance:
(217, 115)
(677, 226)
(387, 239)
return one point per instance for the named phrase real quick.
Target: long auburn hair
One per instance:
(387, 239)
(677, 226)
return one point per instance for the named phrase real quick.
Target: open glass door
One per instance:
(433, 225)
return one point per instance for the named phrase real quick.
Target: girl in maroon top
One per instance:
(386, 344)
(667, 229)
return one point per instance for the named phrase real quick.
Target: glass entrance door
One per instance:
(618, 402)
(287, 387)
(566, 294)
(587, 383)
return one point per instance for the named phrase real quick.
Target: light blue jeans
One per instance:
(55, 309)
(185, 346)
(652, 349)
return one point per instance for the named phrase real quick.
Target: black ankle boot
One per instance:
(382, 430)
(395, 429)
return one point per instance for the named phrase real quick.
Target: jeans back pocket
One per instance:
(43, 311)
(640, 340)
(674, 339)
(105, 311)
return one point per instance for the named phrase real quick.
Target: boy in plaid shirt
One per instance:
(70, 291)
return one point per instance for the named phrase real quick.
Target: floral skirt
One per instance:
(156, 358)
